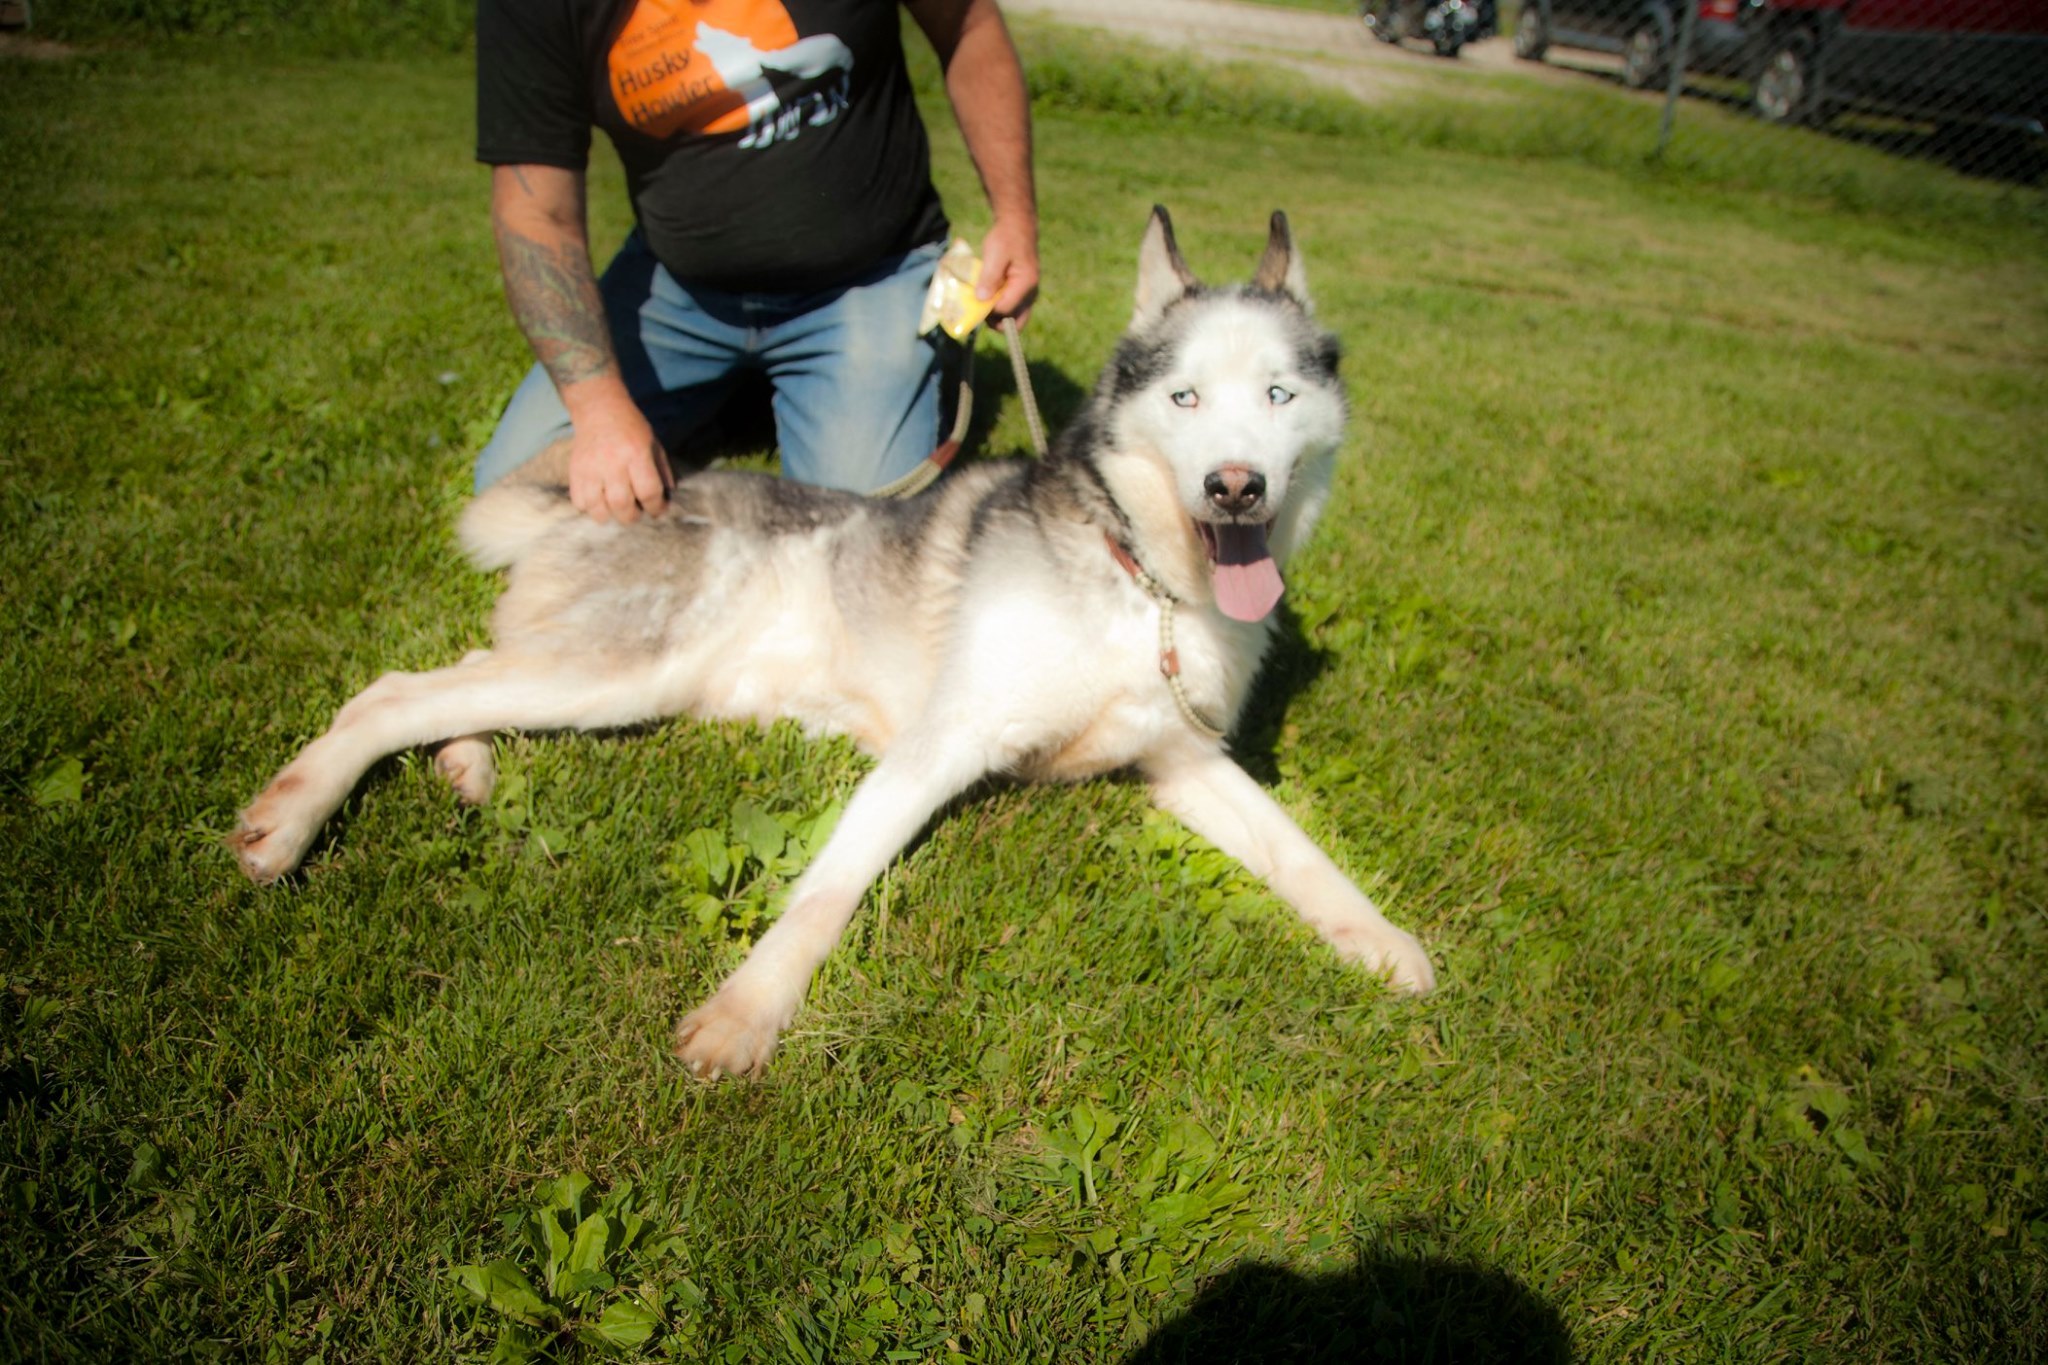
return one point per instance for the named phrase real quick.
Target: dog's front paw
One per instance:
(729, 1035)
(470, 768)
(267, 841)
(1389, 953)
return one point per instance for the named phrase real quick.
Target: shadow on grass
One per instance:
(1980, 150)
(1389, 1307)
(1292, 663)
(995, 386)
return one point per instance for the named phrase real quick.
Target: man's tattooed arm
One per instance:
(544, 254)
(617, 467)
(554, 297)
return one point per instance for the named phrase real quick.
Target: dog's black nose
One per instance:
(1235, 489)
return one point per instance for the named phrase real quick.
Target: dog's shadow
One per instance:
(995, 386)
(1388, 1307)
(1059, 397)
(1293, 663)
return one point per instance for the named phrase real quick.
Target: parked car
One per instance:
(1447, 25)
(1644, 32)
(1982, 62)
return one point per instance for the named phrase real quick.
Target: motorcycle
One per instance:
(1447, 24)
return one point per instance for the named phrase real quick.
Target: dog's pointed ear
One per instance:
(1162, 275)
(1280, 269)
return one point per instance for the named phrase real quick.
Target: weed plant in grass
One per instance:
(1671, 661)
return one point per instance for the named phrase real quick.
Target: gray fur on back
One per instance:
(635, 589)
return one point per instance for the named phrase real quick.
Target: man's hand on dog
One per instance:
(617, 468)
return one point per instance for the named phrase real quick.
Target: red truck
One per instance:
(1982, 62)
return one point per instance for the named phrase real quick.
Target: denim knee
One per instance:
(534, 420)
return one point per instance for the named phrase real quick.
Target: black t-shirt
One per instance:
(770, 145)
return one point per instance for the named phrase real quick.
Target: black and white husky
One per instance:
(1103, 609)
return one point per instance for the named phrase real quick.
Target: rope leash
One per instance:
(928, 470)
(1023, 378)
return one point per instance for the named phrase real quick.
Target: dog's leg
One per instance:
(467, 761)
(735, 1031)
(1219, 801)
(485, 692)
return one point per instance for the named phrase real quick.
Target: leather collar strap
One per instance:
(1124, 558)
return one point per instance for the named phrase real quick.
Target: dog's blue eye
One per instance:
(1277, 395)
(1184, 398)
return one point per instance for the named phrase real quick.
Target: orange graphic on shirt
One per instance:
(700, 66)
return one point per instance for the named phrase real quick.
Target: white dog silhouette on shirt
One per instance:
(744, 69)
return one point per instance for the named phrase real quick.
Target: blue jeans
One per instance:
(856, 389)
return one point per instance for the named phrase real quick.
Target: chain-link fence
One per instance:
(1865, 103)
(1961, 83)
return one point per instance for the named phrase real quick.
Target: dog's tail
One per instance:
(508, 519)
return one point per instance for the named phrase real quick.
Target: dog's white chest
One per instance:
(1118, 703)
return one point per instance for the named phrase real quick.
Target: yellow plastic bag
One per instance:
(950, 303)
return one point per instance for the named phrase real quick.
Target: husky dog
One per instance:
(1103, 609)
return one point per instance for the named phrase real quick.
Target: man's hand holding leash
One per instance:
(1009, 270)
(985, 84)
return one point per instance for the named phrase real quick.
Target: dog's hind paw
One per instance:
(1389, 953)
(725, 1036)
(470, 768)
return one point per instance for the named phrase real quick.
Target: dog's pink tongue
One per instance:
(1246, 579)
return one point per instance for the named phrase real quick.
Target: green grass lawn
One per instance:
(1672, 662)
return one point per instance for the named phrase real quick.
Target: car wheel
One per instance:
(1786, 90)
(1381, 17)
(1642, 57)
(1532, 35)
